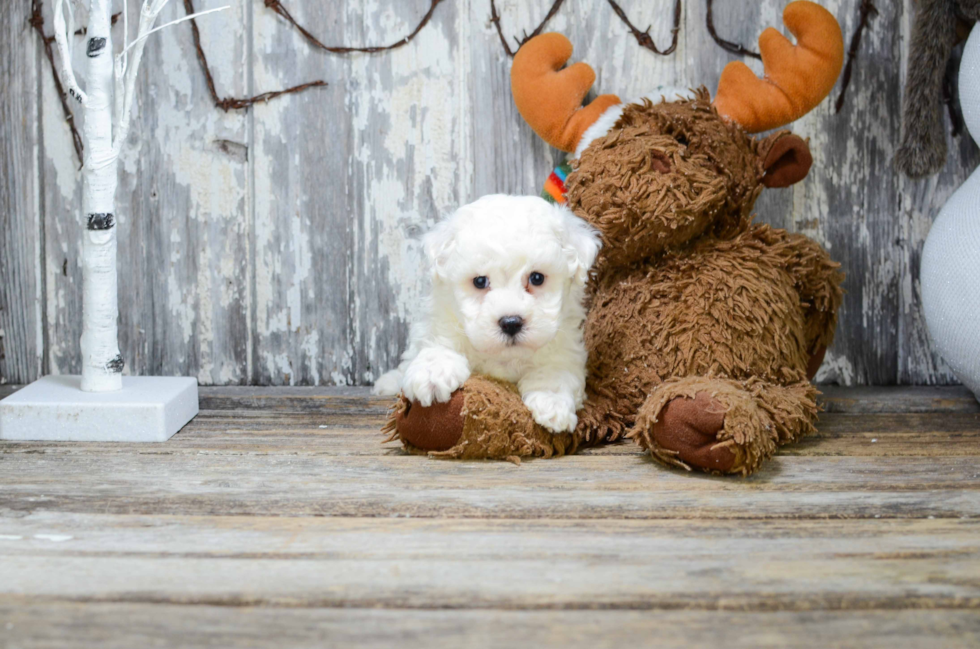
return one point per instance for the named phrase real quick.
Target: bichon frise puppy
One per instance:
(508, 280)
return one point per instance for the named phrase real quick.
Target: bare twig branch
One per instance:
(643, 37)
(235, 103)
(125, 77)
(126, 72)
(728, 46)
(141, 37)
(61, 35)
(239, 103)
(495, 19)
(867, 12)
(224, 103)
(70, 29)
(36, 21)
(277, 6)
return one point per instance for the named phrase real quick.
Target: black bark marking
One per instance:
(95, 46)
(101, 221)
(116, 364)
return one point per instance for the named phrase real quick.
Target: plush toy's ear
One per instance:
(581, 243)
(785, 158)
(438, 244)
(797, 77)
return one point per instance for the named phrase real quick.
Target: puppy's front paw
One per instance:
(433, 379)
(388, 384)
(553, 410)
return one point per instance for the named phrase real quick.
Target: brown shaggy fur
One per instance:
(620, 186)
(688, 298)
(495, 424)
(689, 295)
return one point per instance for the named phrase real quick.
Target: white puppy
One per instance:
(508, 279)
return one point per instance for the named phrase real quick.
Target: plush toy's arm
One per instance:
(818, 280)
(923, 149)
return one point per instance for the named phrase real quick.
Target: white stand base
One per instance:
(54, 408)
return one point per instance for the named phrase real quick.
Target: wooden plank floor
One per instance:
(278, 518)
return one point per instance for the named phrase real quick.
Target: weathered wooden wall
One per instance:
(280, 245)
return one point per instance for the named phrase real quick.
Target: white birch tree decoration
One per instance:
(142, 408)
(106, 105)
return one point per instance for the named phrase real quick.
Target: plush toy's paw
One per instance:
(434, 428)
(553, 410)
(485, 419)
(433, 377)
(689, 428)
(723, 425)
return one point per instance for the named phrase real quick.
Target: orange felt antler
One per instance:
(550, 98)
(797, 77)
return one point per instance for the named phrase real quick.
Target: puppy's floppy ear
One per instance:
(438, 244)
(580, 243)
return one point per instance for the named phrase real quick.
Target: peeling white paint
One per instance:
(835, 369)
(311, 349)
(418, 131)
(58, 150)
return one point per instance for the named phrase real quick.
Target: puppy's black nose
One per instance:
(511, 324)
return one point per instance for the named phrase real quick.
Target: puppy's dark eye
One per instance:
(481, 282)
(536, 279)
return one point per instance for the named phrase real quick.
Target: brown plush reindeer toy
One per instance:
(703, 329)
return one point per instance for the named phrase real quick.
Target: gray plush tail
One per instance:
(923, 150)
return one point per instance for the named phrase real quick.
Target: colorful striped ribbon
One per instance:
(554, 187)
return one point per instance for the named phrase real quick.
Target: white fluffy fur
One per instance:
(504, 238)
